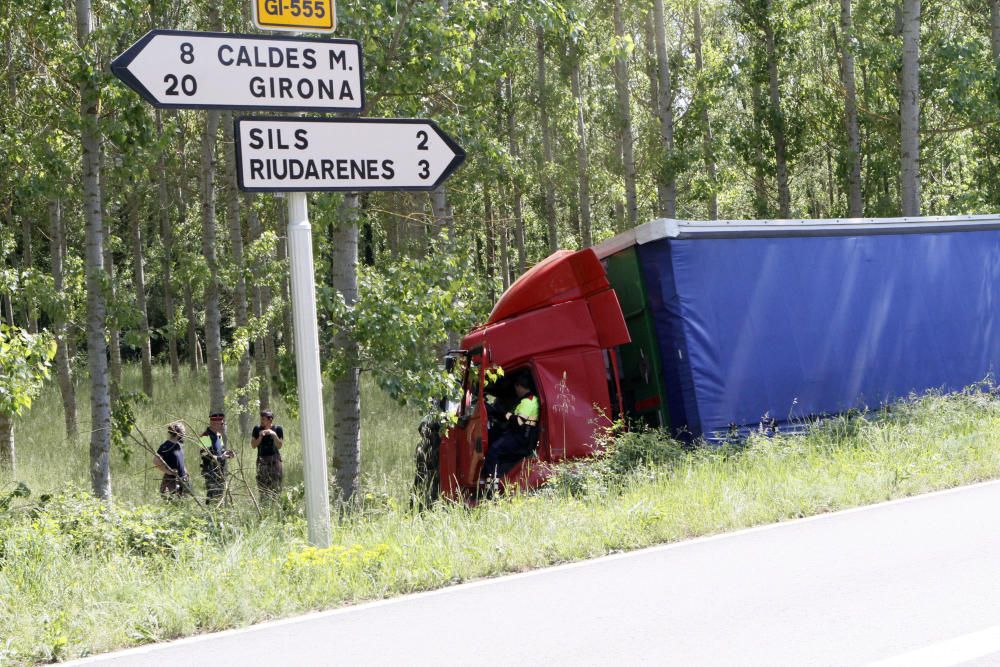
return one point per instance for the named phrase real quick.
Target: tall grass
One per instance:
(79, 577)
(47, 460)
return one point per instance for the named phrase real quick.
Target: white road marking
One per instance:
(948, 652)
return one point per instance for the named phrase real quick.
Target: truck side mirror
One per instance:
(449, 364)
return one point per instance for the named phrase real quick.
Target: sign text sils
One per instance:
(201, 70)
(300, 155)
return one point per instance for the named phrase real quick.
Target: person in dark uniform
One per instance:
(214, 456)
(521, 436)
(169, 459)
(268, 439)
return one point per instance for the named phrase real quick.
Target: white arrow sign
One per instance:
(307, 155)
(204, 70)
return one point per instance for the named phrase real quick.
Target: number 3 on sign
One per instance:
(295, 15)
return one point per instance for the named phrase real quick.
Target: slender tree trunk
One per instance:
(504, 240)
(286, 304)
(707, 140)
(139, 282)
(441, 209)
(522, 262)
(582, 159)
(548, 187)
(346, 388)
(64, 372)
(167, 238)
(8, 308)
(762, 207)
(259, 306)
(236, 242)
(213, 316)
(28, 263)
(8, 458)
(194, 347)
(909, 110)
(625, 123)
(90, 135)
(664, 106)
(855, 204)
(776, 117)
(114, 334)
(490, 243)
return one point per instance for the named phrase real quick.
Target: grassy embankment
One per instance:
(78, 578)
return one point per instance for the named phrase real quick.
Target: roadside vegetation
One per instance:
(78, 576)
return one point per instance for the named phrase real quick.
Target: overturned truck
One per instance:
(709, 329)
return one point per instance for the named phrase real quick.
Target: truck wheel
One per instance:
(426, 481)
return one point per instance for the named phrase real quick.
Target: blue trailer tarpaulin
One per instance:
(787, 327)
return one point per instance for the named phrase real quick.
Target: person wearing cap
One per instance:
(169, 459)
(214, 456)
(268, 439)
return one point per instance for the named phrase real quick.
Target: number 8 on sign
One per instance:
(295, 15)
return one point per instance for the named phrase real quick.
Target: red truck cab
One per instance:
(560, 322)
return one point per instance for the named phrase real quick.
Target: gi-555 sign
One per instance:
(305, 155)
(295, 15)
(204, 70)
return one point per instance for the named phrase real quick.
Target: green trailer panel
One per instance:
(642, 376)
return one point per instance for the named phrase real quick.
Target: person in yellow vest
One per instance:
(522, 433)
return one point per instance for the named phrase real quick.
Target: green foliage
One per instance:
(25, 360)
(402, 320)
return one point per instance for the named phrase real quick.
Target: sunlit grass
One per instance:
(64, 594)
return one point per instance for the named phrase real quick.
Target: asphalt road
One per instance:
(913, 582)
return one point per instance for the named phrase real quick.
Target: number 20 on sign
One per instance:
(295, 15)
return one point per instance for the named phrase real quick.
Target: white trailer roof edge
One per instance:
(669, 228)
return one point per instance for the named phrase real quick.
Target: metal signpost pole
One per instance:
(310, 385)
(197, 70)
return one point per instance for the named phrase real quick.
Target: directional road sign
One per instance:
(307, 155)
(295, 15)
(206, 70)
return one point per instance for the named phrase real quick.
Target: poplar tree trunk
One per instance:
(8, 459)
(625, 123)
(664, 107)
(213, 317)
(582, 159)
(64, 372)
(28, 262)
(490, 243)
(259, 306)
(236, 243)
(167, 238)
(139, 282)
(194, 347)
(504, 240)
(515, 155)
(346, 388)
(776, 117)
(909, 110)
(855, 205)
(762, 207)
(548, 187)
(286, 304)
(441, 209)
(707, 140)
(90, 136)
(114, 335)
